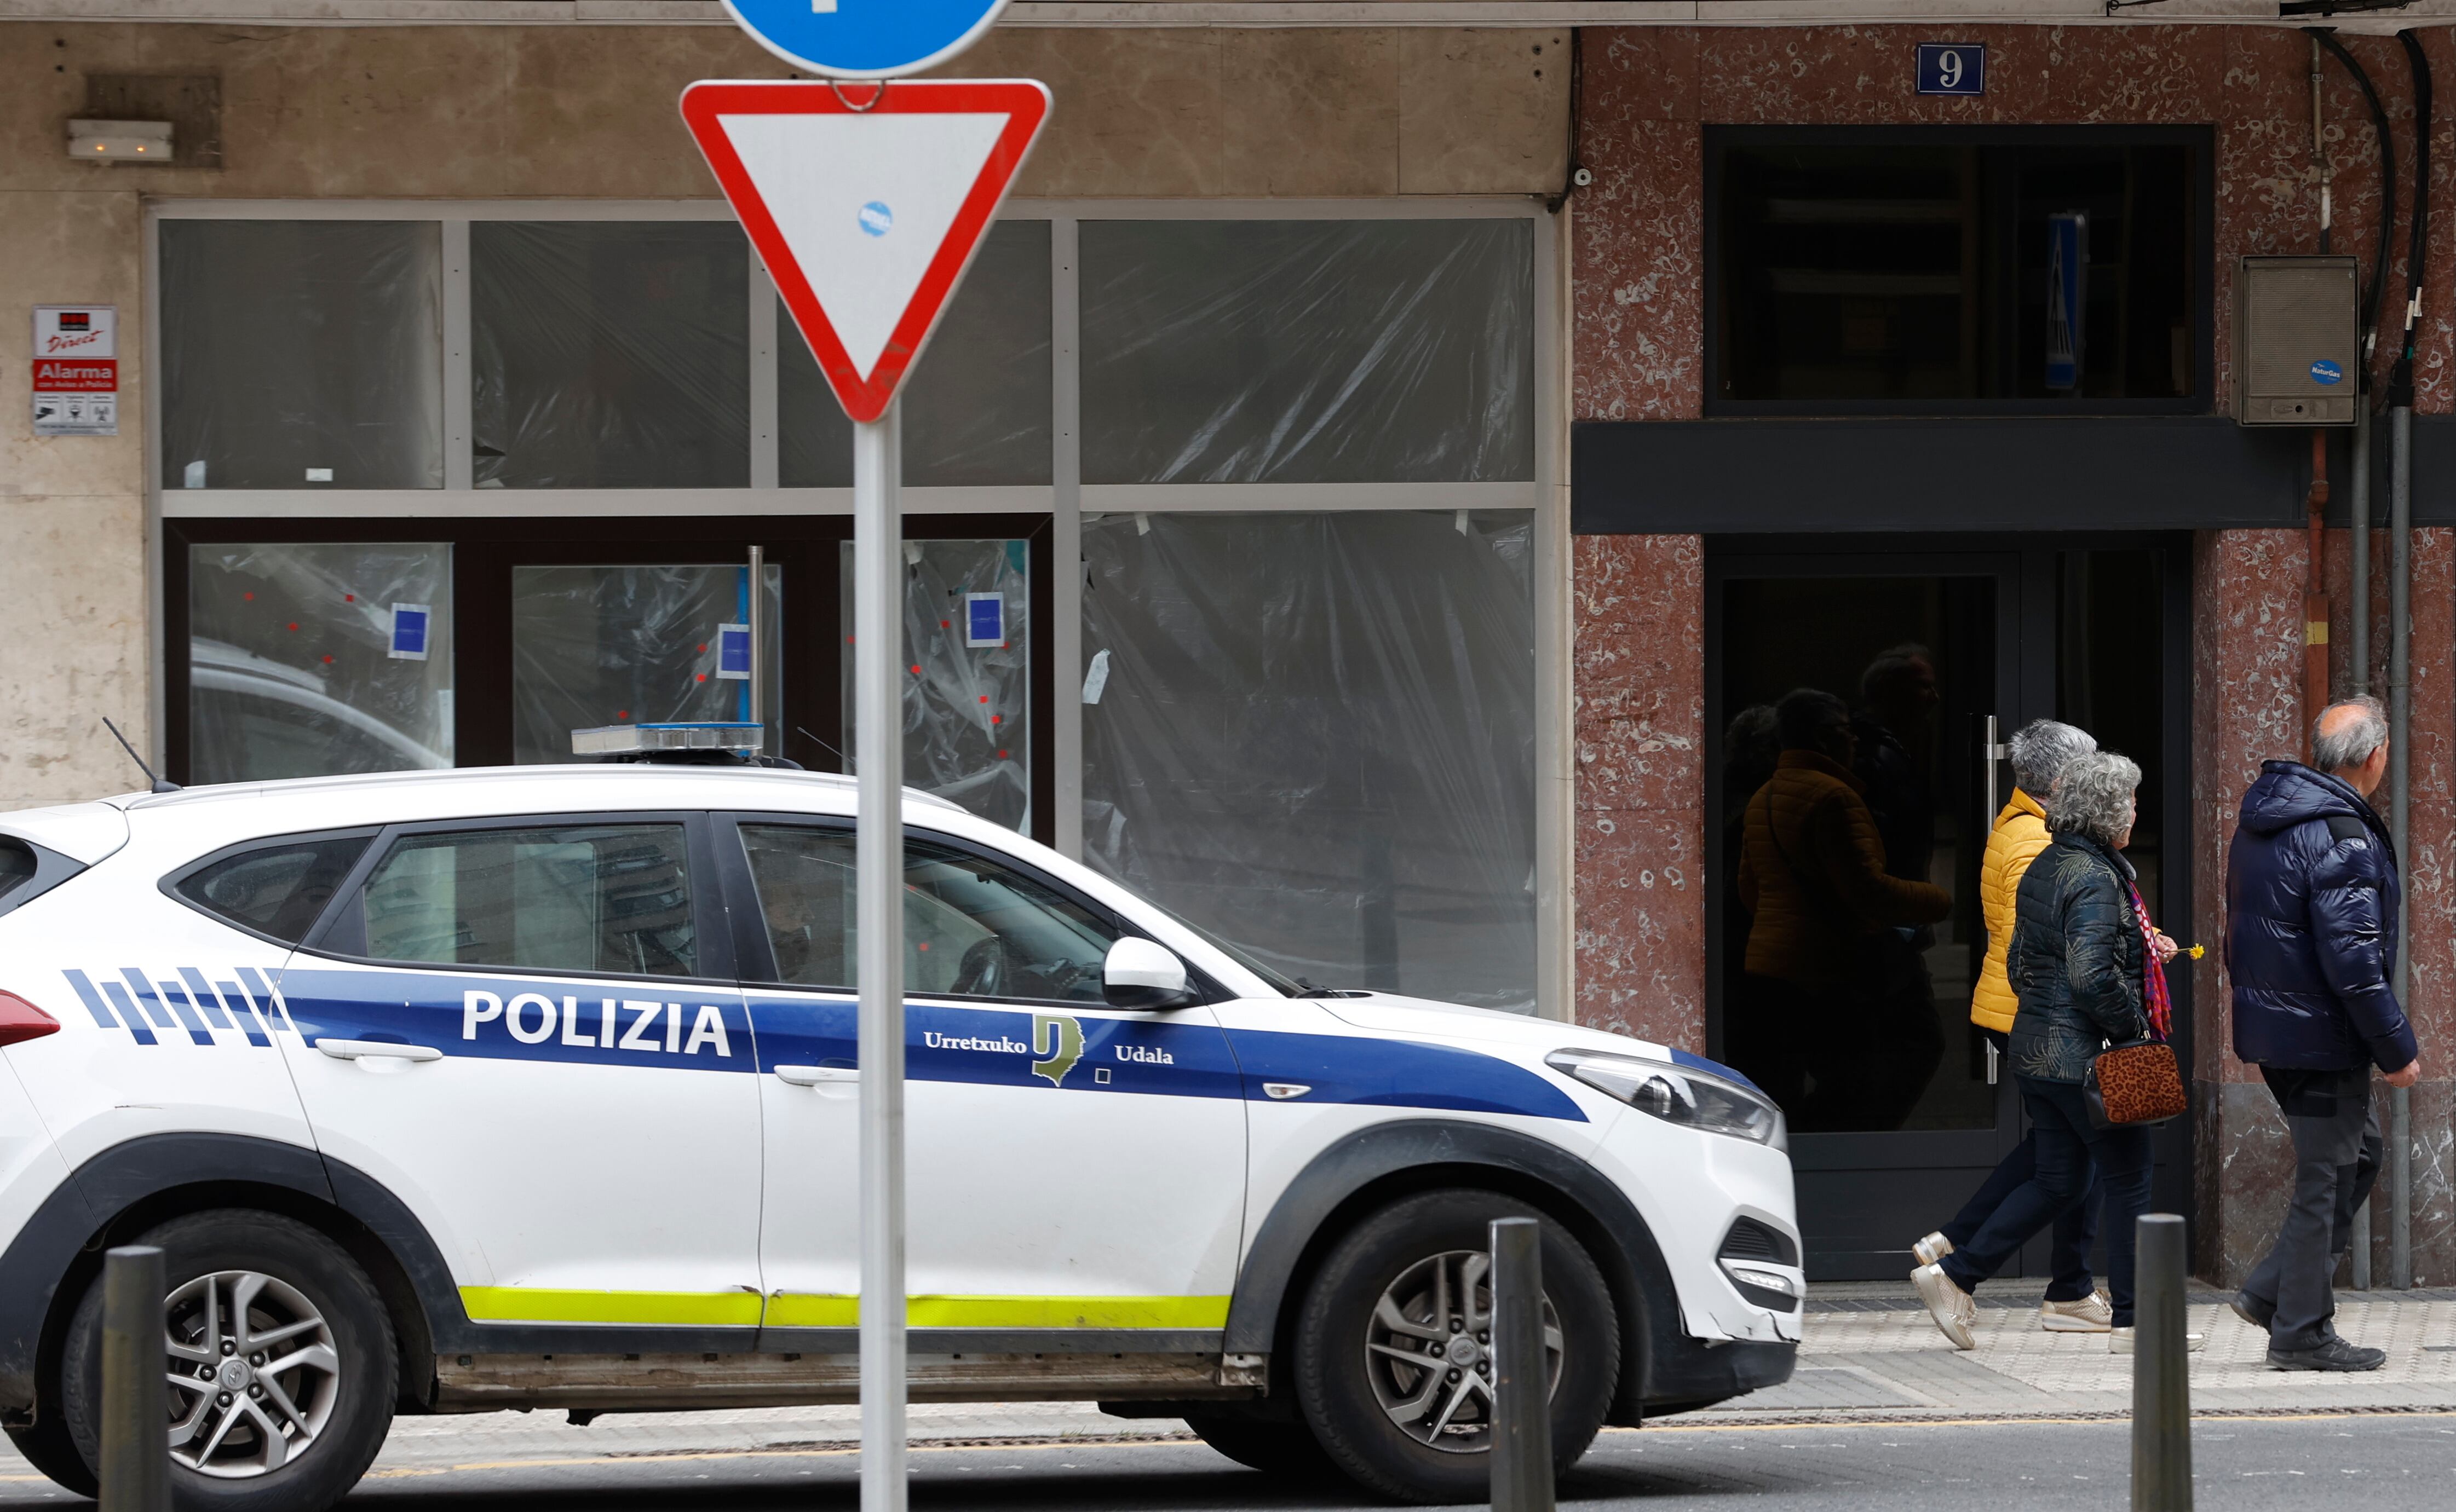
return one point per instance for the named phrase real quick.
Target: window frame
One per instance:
(341, 933)
(170, 881)
(1061, 503)
(2200, 141)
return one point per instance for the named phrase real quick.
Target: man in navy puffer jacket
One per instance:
(2311, 941)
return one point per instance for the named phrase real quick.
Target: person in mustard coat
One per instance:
(2040, 751)
(1829, 936)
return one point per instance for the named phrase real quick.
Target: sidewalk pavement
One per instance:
(1871, 1355)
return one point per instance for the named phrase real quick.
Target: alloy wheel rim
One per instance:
(1428, 1351)
(254, 1374)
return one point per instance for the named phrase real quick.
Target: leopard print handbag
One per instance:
(2136, 1086)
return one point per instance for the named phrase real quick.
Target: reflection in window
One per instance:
(303, 353)
(306, 659)
(610, 355)
(583, 898)
(976, 410)
(1314, 735)
(1906, 272)
(971, 928)
(593, 647)
(1321, 351)
(281, 890)
(967, 697)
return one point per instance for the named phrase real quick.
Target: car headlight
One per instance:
(1678, 1095)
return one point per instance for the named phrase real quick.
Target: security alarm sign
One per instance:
(76, 370)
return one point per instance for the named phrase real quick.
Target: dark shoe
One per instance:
(2334, 1355)
(2252, 1310)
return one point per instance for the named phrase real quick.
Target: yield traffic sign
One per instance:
(866, 214)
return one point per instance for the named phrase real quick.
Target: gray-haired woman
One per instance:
(2081, 953)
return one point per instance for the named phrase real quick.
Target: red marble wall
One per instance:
(1637, 342)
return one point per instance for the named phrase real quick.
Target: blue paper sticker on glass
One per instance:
(984, 619)
(409, 623)
(867, 39)
(2325, 371)
(734, 652)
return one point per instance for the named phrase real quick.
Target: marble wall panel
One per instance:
(75, 590)
(1637, 274)
(2244, 1168)
(66, 249)
(2247, 706)
(1309, 113)
(1482, 112)
(1641, 923)
(1137, 112)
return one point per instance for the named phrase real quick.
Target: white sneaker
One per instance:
(2093, 1314)
(1932, 1249)
(1952, 1308)
(2118, 1341)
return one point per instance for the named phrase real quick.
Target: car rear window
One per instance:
(16, 865)
(278, 888)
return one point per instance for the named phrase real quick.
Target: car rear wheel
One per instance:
(280, 1365)
(1285, 1450)
(1394, 1346)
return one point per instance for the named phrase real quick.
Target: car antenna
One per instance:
(820, 743)
(159, 785)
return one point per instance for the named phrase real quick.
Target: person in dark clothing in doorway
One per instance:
(2311, 942)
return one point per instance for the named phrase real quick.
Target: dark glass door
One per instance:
(1853, 681)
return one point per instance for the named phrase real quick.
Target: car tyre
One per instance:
(48, 1448)
(311, 1305)
(1403, 1251)
(1287, 1451)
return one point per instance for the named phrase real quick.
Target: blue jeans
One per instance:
(2066, 1148)
(2076, 1228)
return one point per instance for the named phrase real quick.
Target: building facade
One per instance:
(1403, 451)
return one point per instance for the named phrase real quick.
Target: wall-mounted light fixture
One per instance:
(120, 141)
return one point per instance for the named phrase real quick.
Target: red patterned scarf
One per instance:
(2153, 970)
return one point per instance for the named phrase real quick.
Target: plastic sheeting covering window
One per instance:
(1314, 735)
(599, 645)
(303, 353)
(610, 354)
(1314, 351)
(967, 673)
(307, 658)
(976, 410)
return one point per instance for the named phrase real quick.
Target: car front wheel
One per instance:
(279, 1360)
(1394, 1346)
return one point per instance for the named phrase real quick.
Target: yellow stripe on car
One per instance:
(525, 1305)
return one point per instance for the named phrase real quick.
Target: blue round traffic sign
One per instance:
(864, 40)
(2325, 371)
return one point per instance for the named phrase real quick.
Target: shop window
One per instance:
(610, 355)
(1329, 351)
(1921, 270)
(571, 898)
(968, 673)
(1316, 734)
(977, 411)
(597, 646)
(307, 658)
(301, 354)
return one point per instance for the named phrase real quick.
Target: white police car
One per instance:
(455, 1092)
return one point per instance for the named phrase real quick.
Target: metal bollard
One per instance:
(1522, 1396)
(2162, 1386)
(136, 1406)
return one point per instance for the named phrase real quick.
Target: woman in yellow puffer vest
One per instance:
(2040, 749)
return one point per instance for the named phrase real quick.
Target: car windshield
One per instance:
(1278, 982)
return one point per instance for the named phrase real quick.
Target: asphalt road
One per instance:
(2379, 1462)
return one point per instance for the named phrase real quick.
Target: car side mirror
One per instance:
(1144, 975)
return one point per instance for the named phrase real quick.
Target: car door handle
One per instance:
(817, 1075)
(376, 1050)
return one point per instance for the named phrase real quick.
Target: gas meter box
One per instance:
(2296, 340)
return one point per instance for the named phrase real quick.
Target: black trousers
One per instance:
(2337, 1151)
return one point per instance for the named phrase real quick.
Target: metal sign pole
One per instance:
(878, 765)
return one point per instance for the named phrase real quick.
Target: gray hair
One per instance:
(2352, 742)
(2093, 797)
(2041, 750)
